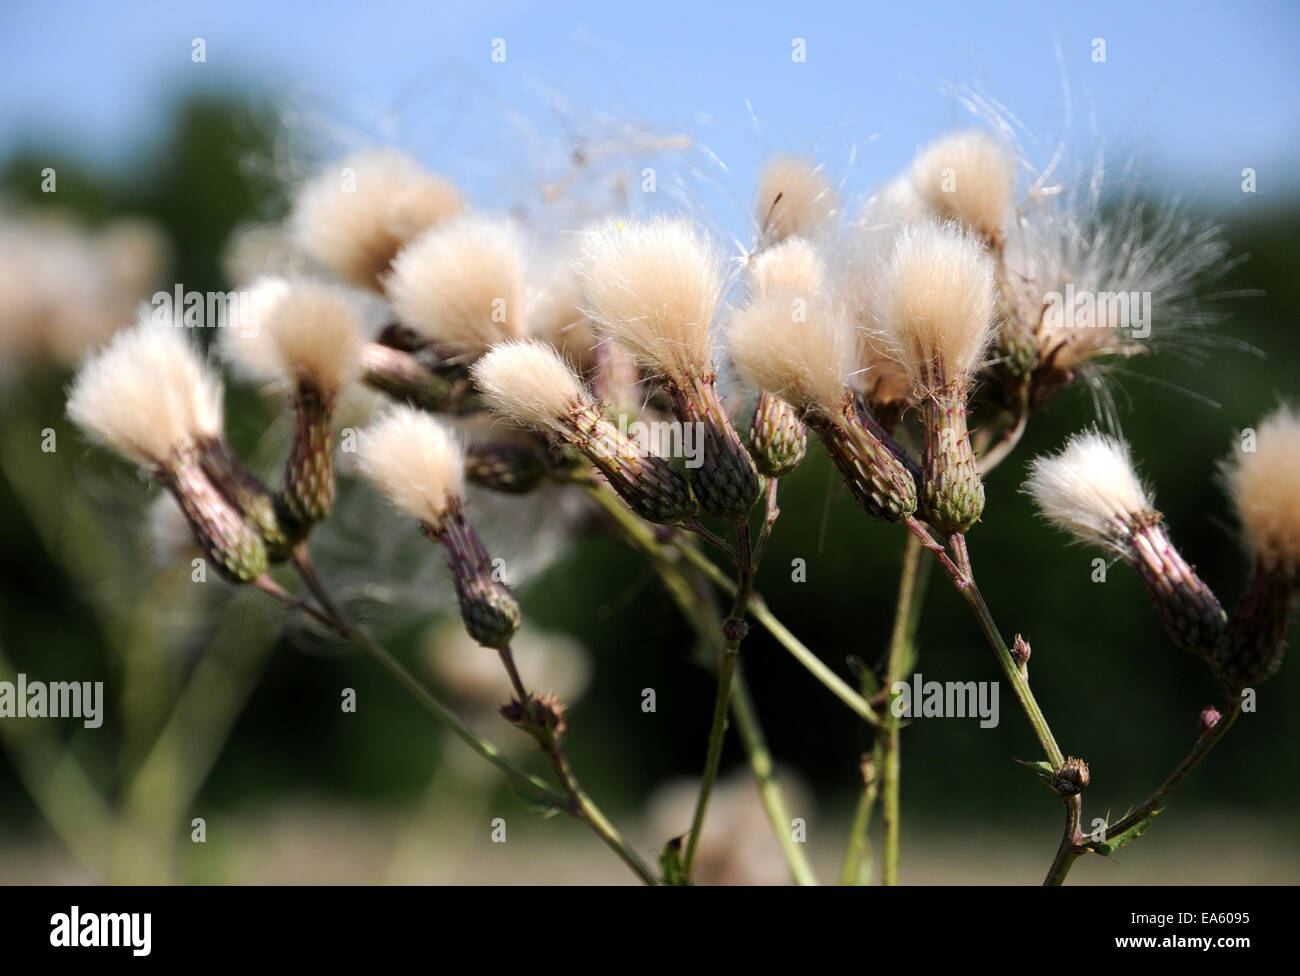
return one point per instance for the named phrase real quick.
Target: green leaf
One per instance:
(670, 862)
(1111, 844)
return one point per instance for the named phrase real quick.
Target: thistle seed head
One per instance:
(354, 216)
(792, 265)
(967, 177)
(300, 331)
(460, 285)
(795, 347)
(653, 286)
(147, 395)
(794, 199)
(1264, 485)
(939, 303)
(416, 462)
(231, 544)
(1091, 490)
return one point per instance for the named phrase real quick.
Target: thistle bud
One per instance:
(1254, 642)
(1020, 654)
(515, 469)
(529, 383)
(882, 481)
(1072, 777)
(487, 607)
(263, 509)
(234, 547)
(778, 439)
(400, 374)
(1188, 608)
(1207, 720)
(726, 481)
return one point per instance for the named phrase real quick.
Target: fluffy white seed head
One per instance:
(938, 303)
(653, 287)
(1090, 490)
(461, 285)
(968, 177)
(793, 265)
(794, 198)
(355, 215)
(1265, 488)
(415, 461)
(527, 381)
(146, 394)
(296, 330)
(555, 316)
(795, 347)
(317, 332)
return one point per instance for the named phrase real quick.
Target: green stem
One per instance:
(911, 586)
(536, 788)
(638, 532)
(859, 848)
(964, 582)
(722, 702)
(769, 791)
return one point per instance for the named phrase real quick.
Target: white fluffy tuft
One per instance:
(461, 285)
(794, 199)
(794, 265)
(1265, 489)
(146, 394)
(528, 382)
(795, 347)
(415, 460)
(968, 177)
(296, 330)
(1090, 489)
(938, 303)
(354, 216)
(653, 286)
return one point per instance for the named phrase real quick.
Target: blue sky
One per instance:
(1200, 90)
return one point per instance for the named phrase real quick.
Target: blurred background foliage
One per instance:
(74, 570)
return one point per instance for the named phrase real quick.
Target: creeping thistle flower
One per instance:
(356, 214)
(654, 288)
(967, 177)
(461, 286)
(527, 381)
(418, 464)
(1265, 488)
(802, 354)
(794, 199)
(148, 396)
(939, 305)
(307, 335)
(1090, 490)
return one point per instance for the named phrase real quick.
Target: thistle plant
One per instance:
(913, 339)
